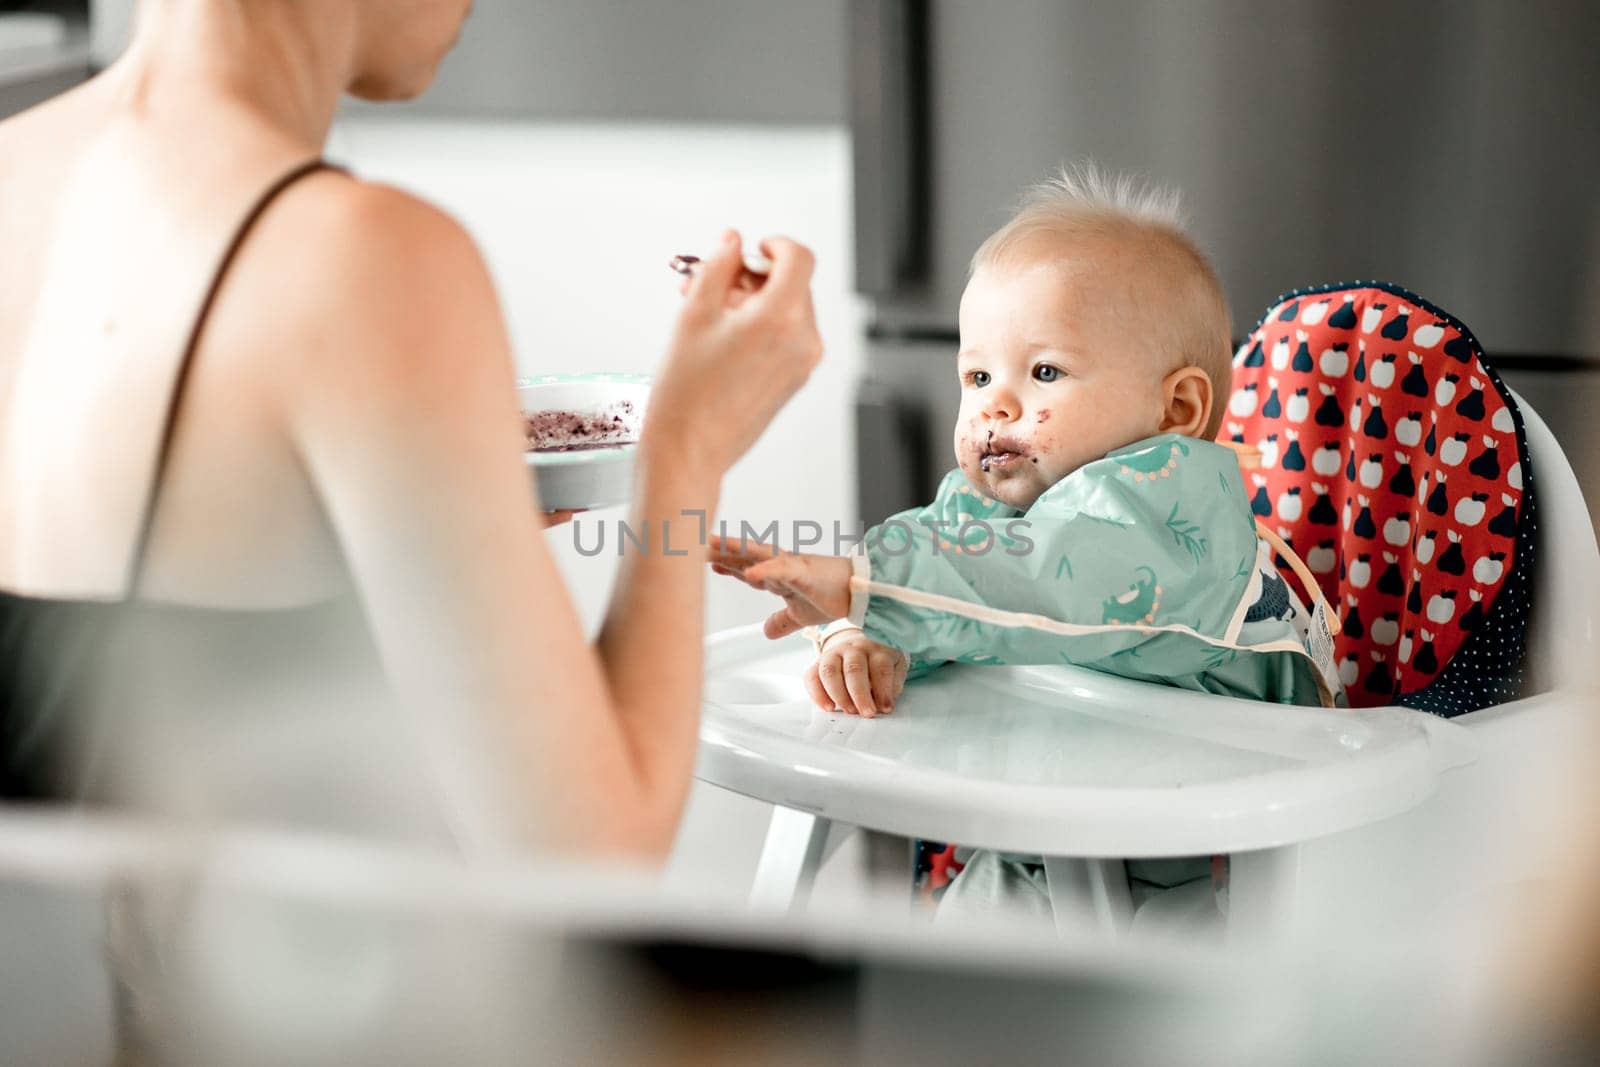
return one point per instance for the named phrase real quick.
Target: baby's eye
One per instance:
(977, 378)
(1044, 372)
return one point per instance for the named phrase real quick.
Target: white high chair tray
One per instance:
(1060, 760)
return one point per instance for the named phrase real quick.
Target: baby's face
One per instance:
(1050, 378)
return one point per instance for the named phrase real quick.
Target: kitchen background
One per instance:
(1450, 148)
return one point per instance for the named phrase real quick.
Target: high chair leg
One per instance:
(1089, 889)
(1263, 887)
(789, 860)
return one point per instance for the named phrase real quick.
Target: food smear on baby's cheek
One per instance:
(1044, 416)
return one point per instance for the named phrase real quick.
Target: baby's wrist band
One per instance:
(860, 582)
(833, 629)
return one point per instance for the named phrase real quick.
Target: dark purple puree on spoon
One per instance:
(574, 431)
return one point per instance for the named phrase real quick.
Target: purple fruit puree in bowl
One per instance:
(579, 436)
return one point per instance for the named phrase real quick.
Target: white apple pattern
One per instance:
(1325, 460)
(1445, 391)
(1370, 473)
(1334, 362)
(1386, 631)
(1360, 573)
(1452, 450)
(1382, 373)
(1442, 607)
(1244, 400)
(1428, 335)
(1408, 431)
(1397, 531)
(1469, 509)
(1289, 504)
(1280, 354)
(1489, 568)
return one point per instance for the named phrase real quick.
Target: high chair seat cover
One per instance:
(1394, 461)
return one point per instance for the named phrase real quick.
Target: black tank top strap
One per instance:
(180, 381)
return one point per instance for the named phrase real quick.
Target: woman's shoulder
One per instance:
(365, 272)
(379, 232)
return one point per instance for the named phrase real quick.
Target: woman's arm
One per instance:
(703, 415)
(398, 394)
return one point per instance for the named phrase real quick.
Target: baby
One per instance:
(1093, 520)
(1092, 514)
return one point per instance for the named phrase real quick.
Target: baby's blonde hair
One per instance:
(1192, 323)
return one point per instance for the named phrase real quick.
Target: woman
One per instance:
(257, 426)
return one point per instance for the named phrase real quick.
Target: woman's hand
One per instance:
(857, 675)
(815, 589)
(558, 518)
(736, 356)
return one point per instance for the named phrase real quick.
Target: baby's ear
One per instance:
(1186, 402)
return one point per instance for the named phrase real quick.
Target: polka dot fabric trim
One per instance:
(1394, 462)
(1488, 667)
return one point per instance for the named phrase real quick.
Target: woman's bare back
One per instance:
(114, 223)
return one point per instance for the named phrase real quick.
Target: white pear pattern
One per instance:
(1280, 354)
(1314, 312)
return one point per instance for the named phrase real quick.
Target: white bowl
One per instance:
(591, 477)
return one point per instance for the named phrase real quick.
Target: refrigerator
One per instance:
(1449, 147)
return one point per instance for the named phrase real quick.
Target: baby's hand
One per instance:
(856, 675)
(815, 589)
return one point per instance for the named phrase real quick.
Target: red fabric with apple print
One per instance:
(1393, 461)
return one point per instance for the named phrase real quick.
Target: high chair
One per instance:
(1327, 815)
